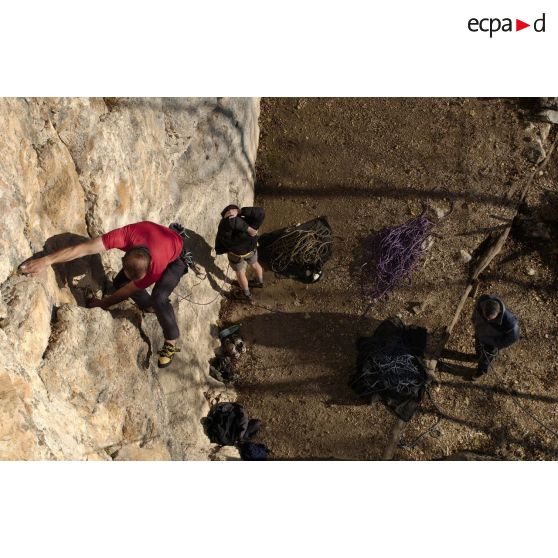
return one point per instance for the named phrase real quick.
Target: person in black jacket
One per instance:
(237, 236)
(496, 328)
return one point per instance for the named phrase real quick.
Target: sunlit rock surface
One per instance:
(81, 384)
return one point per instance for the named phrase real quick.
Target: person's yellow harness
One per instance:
(243, 256)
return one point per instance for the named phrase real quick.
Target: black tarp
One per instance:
(390, 368)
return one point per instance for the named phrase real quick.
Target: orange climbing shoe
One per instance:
(166, 354)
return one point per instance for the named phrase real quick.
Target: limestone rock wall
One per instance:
(78, 383)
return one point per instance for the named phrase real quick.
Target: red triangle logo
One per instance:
(519, 25)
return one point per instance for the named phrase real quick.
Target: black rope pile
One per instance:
(389, 368)
(393, 254)
(302, 247)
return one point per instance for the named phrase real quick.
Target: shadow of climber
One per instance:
(201, 251)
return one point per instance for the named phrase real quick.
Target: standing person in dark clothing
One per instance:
(496, 328)
(237, 236)
(154, 254)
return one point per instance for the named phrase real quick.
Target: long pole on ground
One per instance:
(394, 438)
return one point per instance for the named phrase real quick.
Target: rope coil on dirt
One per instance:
(390, 369)
(301, 247)
(397, 373)
(393, 253)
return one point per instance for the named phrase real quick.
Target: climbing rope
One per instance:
(513, 396)
(389, 367)
(390, 373)
(301, 247)
(431, 429)
(410, 445)
(393, 253)
(219, 294)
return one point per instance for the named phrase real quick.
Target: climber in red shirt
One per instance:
(153, 255)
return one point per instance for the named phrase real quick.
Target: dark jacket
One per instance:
(501, 332)
(232, 234)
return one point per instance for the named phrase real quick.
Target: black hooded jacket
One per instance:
(232, 234)
(501, 332)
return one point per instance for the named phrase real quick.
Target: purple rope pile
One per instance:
(393, 254)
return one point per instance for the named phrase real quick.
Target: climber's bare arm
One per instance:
(121, 294)
(34, 267)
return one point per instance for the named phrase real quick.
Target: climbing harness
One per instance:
(186, 256)
(238, 257)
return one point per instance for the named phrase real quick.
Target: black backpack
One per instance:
(228, 424)
(250, 451)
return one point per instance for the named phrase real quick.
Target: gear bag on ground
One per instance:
(390, 368)
(298, 252)
(228, 424)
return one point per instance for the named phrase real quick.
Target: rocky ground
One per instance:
(367, 164)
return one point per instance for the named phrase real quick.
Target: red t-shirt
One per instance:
(164, 244)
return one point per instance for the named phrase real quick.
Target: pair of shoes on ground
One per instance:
(166, 354)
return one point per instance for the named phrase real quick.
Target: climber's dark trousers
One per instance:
(159, 298)
(486, 354)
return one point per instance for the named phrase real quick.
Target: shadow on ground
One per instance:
(325, 342)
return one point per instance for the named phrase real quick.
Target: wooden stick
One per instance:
(460, 306)
(395, 436)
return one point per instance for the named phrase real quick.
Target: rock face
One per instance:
(549, 115)
(78, 383)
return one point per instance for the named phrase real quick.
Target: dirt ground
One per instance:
(371, 163)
